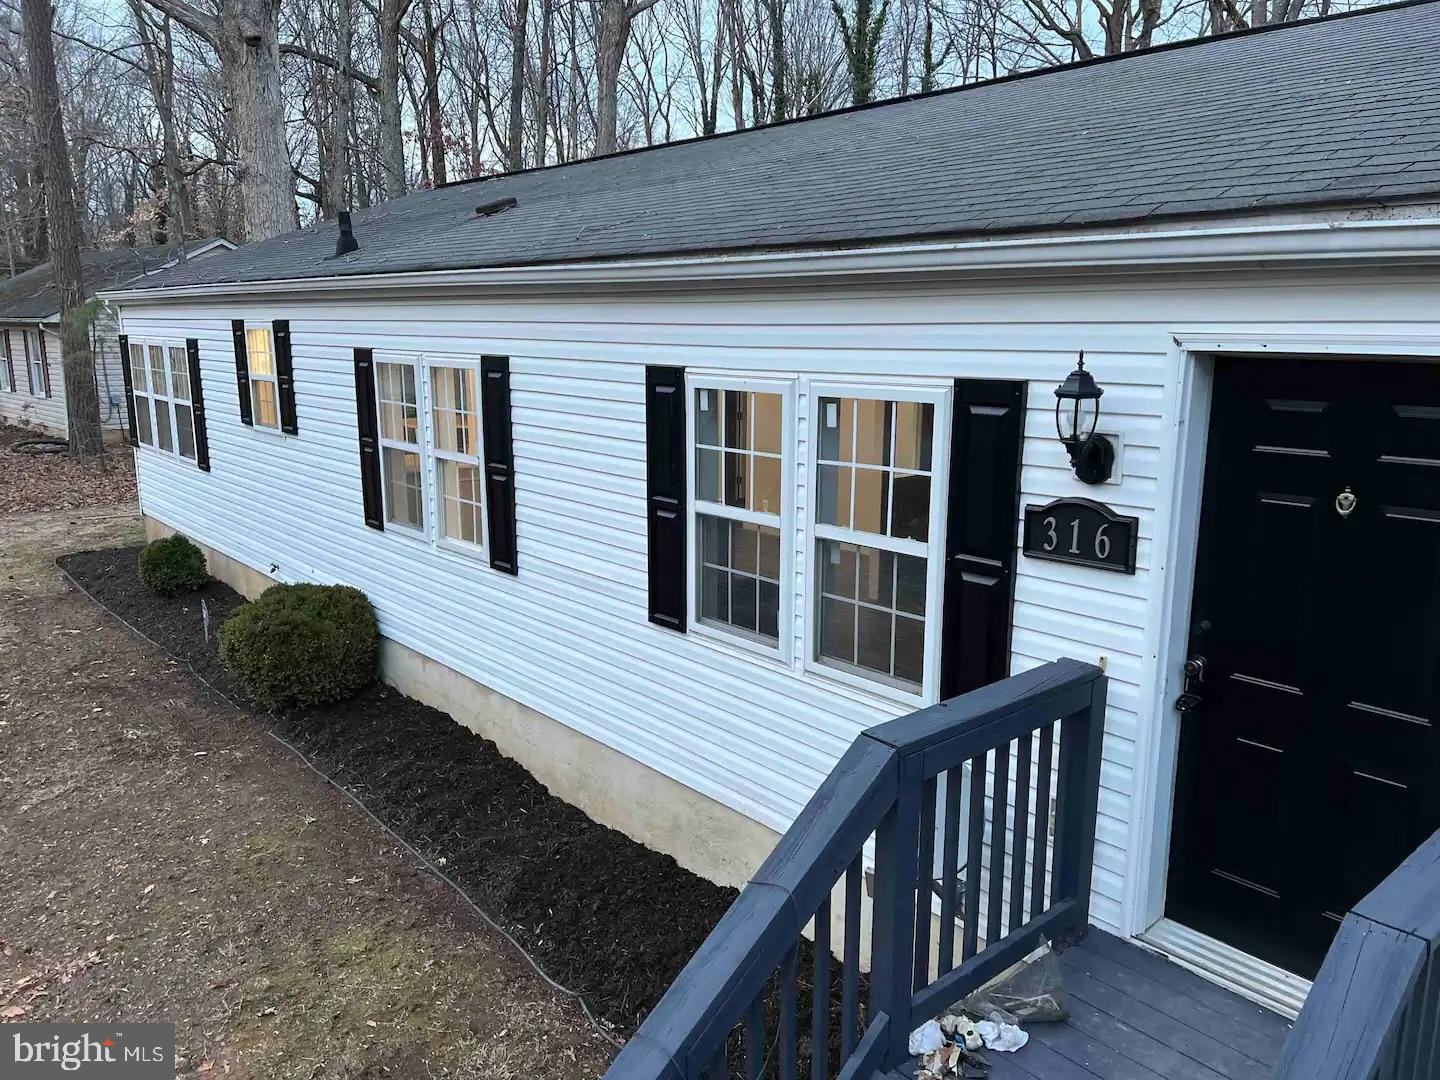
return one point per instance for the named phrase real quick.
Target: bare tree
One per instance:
(339, 152)
(157, 44)
(82, 403)
(543, 78)
(515, 138)
(612, 37)
(862, 30)
(245, 37)
(391, 126)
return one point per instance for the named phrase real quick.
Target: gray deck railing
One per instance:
(1374, 1011)
(740, 1005)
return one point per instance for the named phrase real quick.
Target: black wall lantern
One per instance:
(1077, 411)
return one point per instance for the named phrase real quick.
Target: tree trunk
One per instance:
(82, 403)
(610, 39)
(159, 51)
(247, 43)
(515, 156)
(542, 78)
(435, 115)
(392, 144)
(779, 91)
(344, 95)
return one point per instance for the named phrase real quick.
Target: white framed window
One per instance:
(455, 439)
(875, 535)
(397, 396)
(36, 360)
(740, 497)
(264, 386)
(432, 449)
(7, 363)
(164, 404)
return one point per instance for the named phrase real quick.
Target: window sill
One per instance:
(893, 702)
(865, 689)
(459, 556)
(165, 455)
(738, 647)
(461, 553)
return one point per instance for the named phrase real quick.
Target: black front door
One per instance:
(1308, 769)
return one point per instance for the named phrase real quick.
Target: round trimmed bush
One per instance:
(173, 565)
(303, 644)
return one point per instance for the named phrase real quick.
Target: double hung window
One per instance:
(164, 401)
(398, 397)
(36, 360)
(264, 385)
(870, 575)
(739, 496)
(431, 454)
(874, 467)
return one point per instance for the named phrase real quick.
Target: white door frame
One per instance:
(1187, 412)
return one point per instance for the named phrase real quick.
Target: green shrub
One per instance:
(303, 644)
(173, 565)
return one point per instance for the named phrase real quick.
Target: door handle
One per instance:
(1193, 694)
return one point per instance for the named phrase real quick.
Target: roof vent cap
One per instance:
(345, 242)
(499, 206)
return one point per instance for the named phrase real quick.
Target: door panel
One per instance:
(1309, 771)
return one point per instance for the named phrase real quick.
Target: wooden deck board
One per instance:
(1186, 983)
(1136, 1016)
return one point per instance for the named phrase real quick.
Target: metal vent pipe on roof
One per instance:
(345, 242)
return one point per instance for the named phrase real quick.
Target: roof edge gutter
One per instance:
(1390, 241)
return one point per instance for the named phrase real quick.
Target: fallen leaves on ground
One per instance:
(33, 482)
(15, 1000)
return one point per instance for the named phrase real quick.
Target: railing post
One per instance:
(893, 927)
(1082, 736)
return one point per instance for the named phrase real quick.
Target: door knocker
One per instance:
(1345, 503)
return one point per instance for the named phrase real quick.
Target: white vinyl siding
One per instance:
(569, 636)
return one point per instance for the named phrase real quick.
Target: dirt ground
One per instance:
(161, 859)
(31, 482)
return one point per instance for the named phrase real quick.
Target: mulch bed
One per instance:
(601, 913)
(35, 482)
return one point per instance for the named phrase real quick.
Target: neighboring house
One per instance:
(32, 381)
(674, 470)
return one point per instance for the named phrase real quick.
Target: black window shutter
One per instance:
(982, 533)
(129, 390)
(285, 378)
(10, 359)
(499, 461)
(242, 369)
(665, 489)
(44, 359)
(369, 428)
(197, 403)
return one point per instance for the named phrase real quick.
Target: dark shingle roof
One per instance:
(1340, 110)
(33, 295)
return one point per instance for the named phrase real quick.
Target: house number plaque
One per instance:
(1083, 532)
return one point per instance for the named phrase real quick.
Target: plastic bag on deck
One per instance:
(1033, 995)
